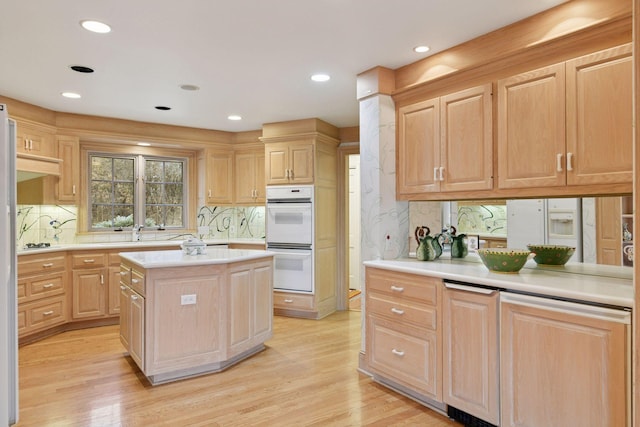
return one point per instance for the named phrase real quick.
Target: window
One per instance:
(120, 196)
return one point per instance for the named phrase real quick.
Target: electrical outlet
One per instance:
(188, 299)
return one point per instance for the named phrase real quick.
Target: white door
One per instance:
(354, 222)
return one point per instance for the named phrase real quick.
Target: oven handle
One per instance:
(307, 253)
(291, 208)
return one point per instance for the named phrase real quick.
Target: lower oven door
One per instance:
(293, 270)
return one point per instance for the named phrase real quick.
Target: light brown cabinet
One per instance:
(34, 139)
(219, 176)
(95, 285)
(470, 351)
(42, 300)
(562, 365)
(445, 144)
(249, 177)
(289, 162)
(132, 312)
(403, 332)
(67, 186)
(568, 123)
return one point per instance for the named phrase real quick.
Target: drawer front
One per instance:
(137, 282)
(51, 285)
(404, 285)
(125, 275)
(408, 359)
(42, 314)
(394, 309)
(293, 301)
(22, 290)
(88, 260)
(41, 264)
(114, 259)
(22, 320)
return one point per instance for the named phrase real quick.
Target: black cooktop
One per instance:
(37, 245)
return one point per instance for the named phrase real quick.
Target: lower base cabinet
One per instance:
(132, 323)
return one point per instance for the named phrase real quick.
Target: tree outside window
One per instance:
(119, 199)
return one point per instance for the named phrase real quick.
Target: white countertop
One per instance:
(583, 282)
(176, 258)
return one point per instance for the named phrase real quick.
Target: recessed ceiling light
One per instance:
(189, 87)
(81, 69)
(71, 95)
(95, 26)
(320, 77)
(162, 108)
(421, 49)
(234, 117)
(144, 144)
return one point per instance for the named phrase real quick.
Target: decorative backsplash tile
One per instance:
(45, 223)
(233, 222)
(483, 219)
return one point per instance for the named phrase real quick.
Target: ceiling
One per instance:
(253, 58)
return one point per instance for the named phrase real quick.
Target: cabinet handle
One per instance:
(288, 301)
(26, 144)
(435, 174)
(30, 144)
(48, 313)
(135, 281)
(47, 265)
(123, 287)
(89, 261)
(48, 285)
(397, 311)
(569, 161)
(559, 162)
(441, 170)
(209, 193)
(73, 189)
(102, 279)
(398, 353)
(124, 273)
(134, 297)
(395, 288)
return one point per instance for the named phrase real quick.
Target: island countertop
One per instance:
(176, 258)
(581, 282)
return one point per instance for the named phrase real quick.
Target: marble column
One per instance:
(384, 221)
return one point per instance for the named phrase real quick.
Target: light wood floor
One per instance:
(307, 376)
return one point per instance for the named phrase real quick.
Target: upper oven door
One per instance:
(290, 223)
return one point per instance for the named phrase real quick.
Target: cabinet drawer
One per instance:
(41, 314)
(88, 260)
(393, 309)
(292, 301)
(137, 282)
(114, 259)
(22, 290)
(125, 275)
(409, 357)
(41, 264)
(49, 285)
(403, 285)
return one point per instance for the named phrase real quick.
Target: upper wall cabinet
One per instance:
(35, 140)
(567, 124)
(289, 162)
(445, 144)
(249, 177)
(219, 177)
(68, 185)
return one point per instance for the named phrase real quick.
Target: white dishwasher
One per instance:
(563, 363)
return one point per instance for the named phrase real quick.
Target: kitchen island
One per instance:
(187, 315)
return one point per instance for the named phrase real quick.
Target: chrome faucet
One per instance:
(135, 233)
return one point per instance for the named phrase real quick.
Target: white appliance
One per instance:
(289, 234)
(8, 268)
(545, 221)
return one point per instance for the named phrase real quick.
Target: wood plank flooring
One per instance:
(307, 376)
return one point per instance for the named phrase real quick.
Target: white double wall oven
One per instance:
(290, 234)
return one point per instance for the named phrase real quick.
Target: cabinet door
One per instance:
(418, 157)
(608, 230)
(467, 140)
(33, 140)
(125, 322)
(113, 300)
(277, 163)
(470, 353)
(219, 185)
(260, 186)
(245, 177)
(136, 320)
(263, 297)
(559, 368)
(531, 129)
(301, 163)
(599, 117)
(88, 293)
(67, 186)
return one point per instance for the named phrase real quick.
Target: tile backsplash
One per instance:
(57, 225)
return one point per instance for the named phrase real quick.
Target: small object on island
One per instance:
(551, 254)
(503, 260)
(193, 246)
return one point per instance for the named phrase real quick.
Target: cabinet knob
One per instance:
(395, 288)
(398, 353)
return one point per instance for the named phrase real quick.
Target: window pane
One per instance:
(154, 216)
(173, 194)
(174, 216)
(123, 169)
(123, 192)
(101, 216)
(101, 168)
(101, 192)
(173, 172)
(123, 216)
(154, 193)
(153, 171)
